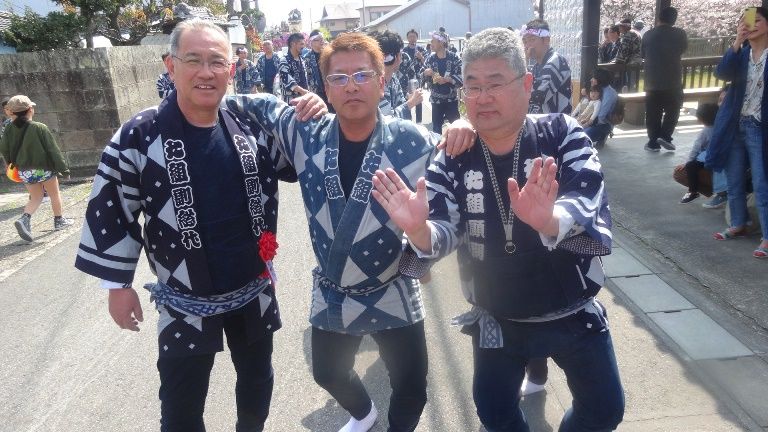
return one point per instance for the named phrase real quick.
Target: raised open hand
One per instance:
(409, 210)
(535, 202)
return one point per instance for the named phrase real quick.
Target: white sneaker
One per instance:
(46, 199)
(363, 425)
(529, 387)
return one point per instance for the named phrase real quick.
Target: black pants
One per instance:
(184, 383)
(404, 352)
(662, 110)
(418, 113)
(444, 111)
(692, 169)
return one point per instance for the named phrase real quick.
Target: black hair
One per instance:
(763, 12)
(537, 24)
(5, 102)
(606, 29)
(442, 29)
(412, 31)
(390, 43)
(614, 28)
(668, 15)
(314, 32)
(21, 118)
(603, 77)
(597, 88)
(163, 56)
(706, 113)
(294, 37)
(241, 49)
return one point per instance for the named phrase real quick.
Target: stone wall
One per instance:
(83, 95)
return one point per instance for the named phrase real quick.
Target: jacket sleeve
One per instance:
(52, 150)
(728, 68)
(286, 79)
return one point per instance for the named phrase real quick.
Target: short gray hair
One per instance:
(196, 24)
(495, 42)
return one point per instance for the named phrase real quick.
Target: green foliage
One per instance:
(33, 32)
(326, 33)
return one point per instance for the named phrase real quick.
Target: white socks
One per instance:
(529, 387)
(354, 425)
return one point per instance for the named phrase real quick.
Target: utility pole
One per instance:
(590, 34)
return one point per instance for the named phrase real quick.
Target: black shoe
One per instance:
(666, 144)
(651, 148)
(690, 196)
(24, 227)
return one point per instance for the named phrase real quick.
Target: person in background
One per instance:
(551, 73)
(602, 127)
(639, 28)
(629, 53)
(662, 49)
(246, 73)
(316, 44)
(295, 72)
(267, 65)
(610, 47)
(740, 135)
(417, 55)
(394, 102)
(32, 149)
(719, 179)
(588, 116)
(164, 84)
(706, 114)
(443, 67)
(583, 102)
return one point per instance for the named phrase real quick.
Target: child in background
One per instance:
(589, 115)
(705, 114)
(582, 103)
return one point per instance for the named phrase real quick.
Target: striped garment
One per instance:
(164, 85)
(469, 221)
(551, 85)
(393, 102)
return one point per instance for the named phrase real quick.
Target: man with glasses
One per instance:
(361, 284)
(209, 208)
(295, 73)
(526, 209)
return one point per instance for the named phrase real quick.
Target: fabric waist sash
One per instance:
(199, 306)
(530, 286)
(322, 281)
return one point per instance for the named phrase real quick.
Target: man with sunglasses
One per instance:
(206, 185)
(527, 211)
(362, 285)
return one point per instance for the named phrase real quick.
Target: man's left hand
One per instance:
(309, 106)
(458, 138)
(534, 204)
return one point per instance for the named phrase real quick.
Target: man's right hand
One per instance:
(125, 308)
(409, 210)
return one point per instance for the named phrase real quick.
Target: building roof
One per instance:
(400, 10)
(346, 10)
(183, 11)
(380, 3)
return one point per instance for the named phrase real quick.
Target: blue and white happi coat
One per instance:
(393, 103)
(294, 71)
(144, 171)
(551, 85)
(357, 288)
(469, 221)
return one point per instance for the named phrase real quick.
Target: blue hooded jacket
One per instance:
(733, 68)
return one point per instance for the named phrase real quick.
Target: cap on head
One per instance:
(19, 103)
(639, 24)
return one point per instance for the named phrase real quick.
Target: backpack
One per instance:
(616, 115)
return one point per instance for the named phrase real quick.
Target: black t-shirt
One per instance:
(222, 210)
(351, 155)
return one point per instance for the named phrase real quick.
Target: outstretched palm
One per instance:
(409, 210)
(535, 202)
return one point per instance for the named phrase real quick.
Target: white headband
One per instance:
(439, 37)
(389, 58)
(317, 36)
(539, 32)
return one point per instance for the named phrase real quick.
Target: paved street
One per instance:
(687, 314)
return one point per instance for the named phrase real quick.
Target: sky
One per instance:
(42, 7)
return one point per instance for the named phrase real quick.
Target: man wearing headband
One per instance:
(417, 55)
(529, 260)
(358, 285)
(629, 50)
(316, 43)
(551, 73)
(394, 103)
(443, 67)
(295, 74)
(246, 73)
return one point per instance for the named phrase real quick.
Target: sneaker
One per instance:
(24, 227)
(690, 196)
(362, 425)
(666, 144)
(649, 148)
(60, 222)
(717, 201)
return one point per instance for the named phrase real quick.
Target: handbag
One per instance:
(12, 172)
